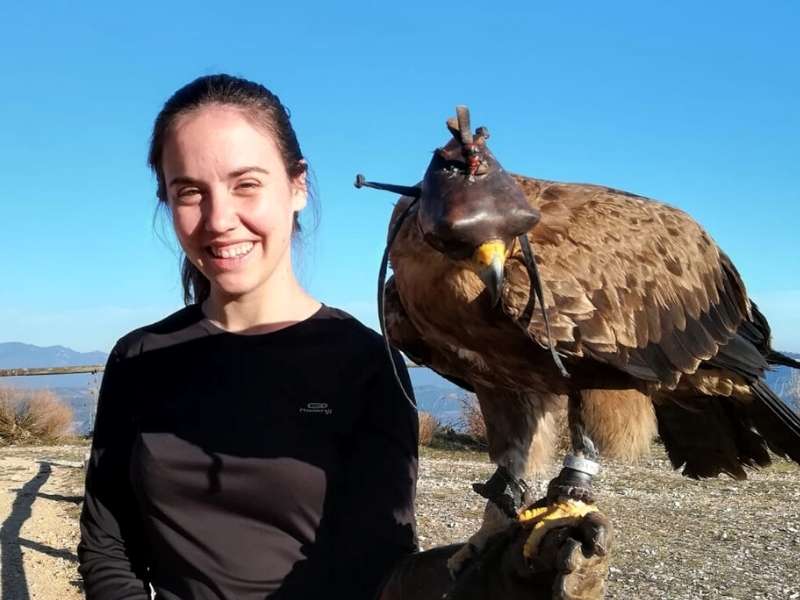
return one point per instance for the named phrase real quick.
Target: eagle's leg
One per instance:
(520, 432)
(569, 498)
(505, 491)
(575, 480)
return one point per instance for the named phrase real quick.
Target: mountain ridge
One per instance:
(19, 355)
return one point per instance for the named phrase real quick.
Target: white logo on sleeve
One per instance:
(320, 408)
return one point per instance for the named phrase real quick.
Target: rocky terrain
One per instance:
(676, 539)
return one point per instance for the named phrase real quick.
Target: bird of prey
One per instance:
(535, 294)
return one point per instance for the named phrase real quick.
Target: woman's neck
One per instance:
(275, 306)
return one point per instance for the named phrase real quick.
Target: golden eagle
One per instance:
(534, 293)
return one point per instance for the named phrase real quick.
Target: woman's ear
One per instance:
(300, 189)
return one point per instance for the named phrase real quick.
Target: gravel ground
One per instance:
(675, 538)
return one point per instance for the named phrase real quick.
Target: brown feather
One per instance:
(698, 341)
(621, 422)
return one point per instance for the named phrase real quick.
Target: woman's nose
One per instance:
(220, 212)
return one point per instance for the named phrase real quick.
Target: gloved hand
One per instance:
(571, 563)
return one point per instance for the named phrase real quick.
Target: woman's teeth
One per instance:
(231, 251)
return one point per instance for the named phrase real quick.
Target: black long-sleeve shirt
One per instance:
(280, 465)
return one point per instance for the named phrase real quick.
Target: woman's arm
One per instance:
(111, 551)
(376, 526)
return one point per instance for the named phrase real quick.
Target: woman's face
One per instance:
(231, 200)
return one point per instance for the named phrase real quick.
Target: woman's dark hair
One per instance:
(260, 105)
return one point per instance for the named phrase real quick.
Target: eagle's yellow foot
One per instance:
(561, 513)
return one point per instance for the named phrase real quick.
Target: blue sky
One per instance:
(696, 104)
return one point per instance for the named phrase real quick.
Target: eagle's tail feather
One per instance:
(758, 332)
(776, 358)
(710, 435)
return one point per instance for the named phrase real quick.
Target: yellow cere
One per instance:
(559, 514)
(488, 251)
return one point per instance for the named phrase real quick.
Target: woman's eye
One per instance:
(248, 185)
(188, 195)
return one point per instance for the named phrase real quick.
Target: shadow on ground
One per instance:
(13, 582)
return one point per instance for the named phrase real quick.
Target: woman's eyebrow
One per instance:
(243, 170)
(183, 179)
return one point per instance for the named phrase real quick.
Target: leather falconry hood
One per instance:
(466, 196)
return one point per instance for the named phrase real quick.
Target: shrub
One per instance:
(471, 421)
(428, 426)
(37, 416)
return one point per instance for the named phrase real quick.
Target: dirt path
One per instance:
(40, 491)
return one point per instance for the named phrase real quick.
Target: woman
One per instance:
(254, 443)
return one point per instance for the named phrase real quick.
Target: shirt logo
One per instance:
(320, 408)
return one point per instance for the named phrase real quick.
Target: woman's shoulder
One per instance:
(164, 332)
(369, 370)
(365, 349)
(351, 333)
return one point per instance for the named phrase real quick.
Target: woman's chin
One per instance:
(232, 288)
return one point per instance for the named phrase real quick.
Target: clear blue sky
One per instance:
(694, 103)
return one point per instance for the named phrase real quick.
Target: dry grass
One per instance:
(428, 426)
(32, 417)
(471, 421)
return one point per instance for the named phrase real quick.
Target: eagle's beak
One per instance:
(488, 261)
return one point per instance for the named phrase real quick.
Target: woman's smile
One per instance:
(229, 257)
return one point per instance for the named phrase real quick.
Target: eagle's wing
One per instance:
(405, 337)
(627, 281)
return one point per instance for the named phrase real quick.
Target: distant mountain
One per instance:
(16, 355)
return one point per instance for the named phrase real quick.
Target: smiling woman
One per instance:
(233, 205)
(224, 150)
(214, 471)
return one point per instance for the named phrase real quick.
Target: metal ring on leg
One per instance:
(579, 463)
